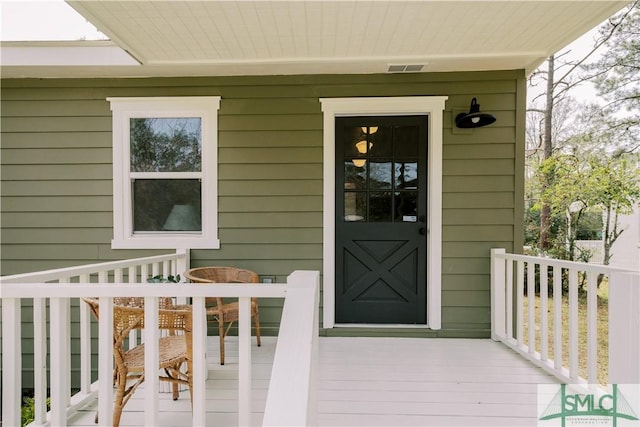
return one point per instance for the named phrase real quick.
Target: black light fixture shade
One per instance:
(474, 119)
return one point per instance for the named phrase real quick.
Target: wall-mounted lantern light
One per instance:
(474, 118)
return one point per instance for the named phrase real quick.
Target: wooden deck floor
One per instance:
(377, 382)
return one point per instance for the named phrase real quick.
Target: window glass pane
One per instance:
(167, 205)
(381, 176)
(406, 206)
(406, 175)
(380, 206)
(381, 142)
(166, 144)
(355, 174)
(355, 206)
(406, 141)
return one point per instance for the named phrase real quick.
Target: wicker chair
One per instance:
(175, 349)
(216, 308)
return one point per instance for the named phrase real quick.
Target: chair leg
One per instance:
(221, 333)
(117, 405)
(175, 390)
(190, 381)
(256, 320)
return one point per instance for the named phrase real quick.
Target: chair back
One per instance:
(128, 314)
(221, 275)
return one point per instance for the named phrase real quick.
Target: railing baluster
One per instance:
(144, 272)
(244, 361)
(40, 359)
(155, 270)
(544, 312)
(151, 361)
(166, 268)
(573, 323)
(592, 327)
(509, 314)
(105, 364)
(199, 361)
(520, 302)
(59, 359)
(67, 346)
(531, 302)
(85, 343)
(133, 335)
(557, 318)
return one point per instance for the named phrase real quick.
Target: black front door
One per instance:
(381, 234)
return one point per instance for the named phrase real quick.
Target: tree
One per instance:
(613, 185)
(590, 182)
(616, 76)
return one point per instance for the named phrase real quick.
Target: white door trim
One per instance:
(432, 106)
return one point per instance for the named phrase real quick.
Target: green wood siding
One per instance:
(57, 191)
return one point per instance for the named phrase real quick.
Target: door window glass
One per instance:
(381, 173)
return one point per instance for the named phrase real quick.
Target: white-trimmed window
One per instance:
(165, 172)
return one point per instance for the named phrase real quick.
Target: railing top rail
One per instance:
(77, 290)
(562, 263)
(41, 276)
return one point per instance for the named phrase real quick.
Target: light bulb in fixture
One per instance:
(361, 146)
(371, 129)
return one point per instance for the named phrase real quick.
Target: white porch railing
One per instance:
(513, 294)
(106, 281)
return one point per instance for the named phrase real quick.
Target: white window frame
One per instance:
(205, 107)
(432, 106)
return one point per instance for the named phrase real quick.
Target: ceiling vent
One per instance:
(404, 68)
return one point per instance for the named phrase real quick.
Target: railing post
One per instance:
(11, 362)
(291, 400)
(498, 302)
(624, 327)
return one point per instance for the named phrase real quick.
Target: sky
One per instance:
(30, 20)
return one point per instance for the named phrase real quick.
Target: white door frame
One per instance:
(431, 106)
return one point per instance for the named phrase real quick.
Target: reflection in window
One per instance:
(355, 206)
(406, 203)
(166, 144)
(355, 177)
(380, 174)
(406, 175)
(380, 206)
(167, 205)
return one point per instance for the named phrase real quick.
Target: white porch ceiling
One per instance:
(187, 38)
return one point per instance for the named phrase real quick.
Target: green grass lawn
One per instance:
(603, 336)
